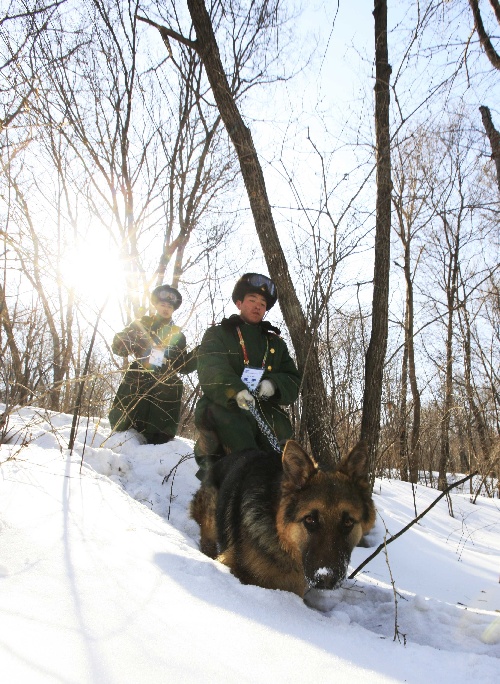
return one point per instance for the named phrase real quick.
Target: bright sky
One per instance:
(101, 580)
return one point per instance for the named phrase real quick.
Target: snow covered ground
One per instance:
(101, 579)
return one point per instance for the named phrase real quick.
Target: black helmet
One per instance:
(254, 282)
(165, 293)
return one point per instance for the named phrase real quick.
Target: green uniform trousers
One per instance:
(148, 402)
(224, 430)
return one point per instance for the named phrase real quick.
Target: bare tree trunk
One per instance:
(493, 137)
(414, 455)
(485, 441)
(451, 296)
(375, 355)
(462, 449)
(403, 407)
(444, 457)
(408, 205)
(484, 38)
(19, 387)
(316, 405)
(494, 57)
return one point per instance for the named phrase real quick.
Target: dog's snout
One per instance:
(325, 578)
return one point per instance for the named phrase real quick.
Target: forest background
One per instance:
(118, 174)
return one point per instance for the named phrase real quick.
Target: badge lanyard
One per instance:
(251, 376)
(157, 354)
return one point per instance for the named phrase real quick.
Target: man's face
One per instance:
(252, 308)
(164, 309)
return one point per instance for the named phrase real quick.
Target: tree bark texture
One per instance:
(493, 137)
(316, 405)
(414, 455)
(444, 456)
(451, 298)
(484, 38)
(375, 355)
(403, 407)
(480, 420)
(414, 447)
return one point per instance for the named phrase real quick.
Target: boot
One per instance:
(158, 437)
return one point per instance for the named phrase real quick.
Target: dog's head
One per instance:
(323, 515)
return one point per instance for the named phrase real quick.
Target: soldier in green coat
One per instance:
(244, 353)
(149, 396)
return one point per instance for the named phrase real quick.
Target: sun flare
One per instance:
(94, 272)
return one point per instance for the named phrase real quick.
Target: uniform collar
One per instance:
(234, 321)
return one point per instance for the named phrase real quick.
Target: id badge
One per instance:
(156, 357)
(251, 377)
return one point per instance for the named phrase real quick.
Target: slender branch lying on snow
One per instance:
(410, 524)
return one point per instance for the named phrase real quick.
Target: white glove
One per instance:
(244, 399)
(266, 389)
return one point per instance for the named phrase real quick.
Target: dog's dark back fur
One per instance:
(280, 522)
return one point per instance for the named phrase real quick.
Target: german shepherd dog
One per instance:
(281, 523)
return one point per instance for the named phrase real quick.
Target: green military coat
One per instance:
(149, 398)
(220, 365)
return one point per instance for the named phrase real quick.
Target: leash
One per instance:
(266, 429)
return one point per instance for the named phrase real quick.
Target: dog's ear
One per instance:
(298, 466)
(355, 464)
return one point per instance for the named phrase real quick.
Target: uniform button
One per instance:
(269, 368)
(272, 351)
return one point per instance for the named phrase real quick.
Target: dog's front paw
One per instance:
(208, 547)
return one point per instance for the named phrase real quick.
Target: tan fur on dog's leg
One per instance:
(203, 507)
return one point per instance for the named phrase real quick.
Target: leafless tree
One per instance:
(30, 253)
(143, 173)
(255, 20)
(375, 355)
(21, 26)
(454, 250)
(411, 211)
(104, 150)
